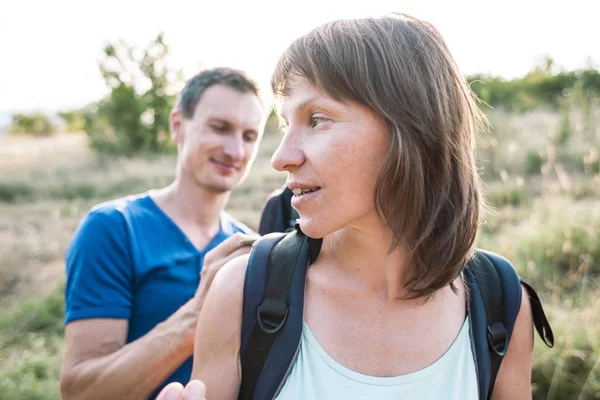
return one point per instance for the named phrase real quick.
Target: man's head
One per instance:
(217, 123)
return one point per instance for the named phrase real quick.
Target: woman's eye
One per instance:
(218, 128)
(317, 121)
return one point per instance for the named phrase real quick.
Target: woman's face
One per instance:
(333, 152)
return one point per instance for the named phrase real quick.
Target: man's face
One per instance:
(217, 144)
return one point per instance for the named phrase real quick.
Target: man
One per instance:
(134, 267)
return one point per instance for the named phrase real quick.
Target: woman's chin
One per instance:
(312, 229)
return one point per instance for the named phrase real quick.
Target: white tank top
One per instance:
(315, 375)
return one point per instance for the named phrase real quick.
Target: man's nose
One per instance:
(234, 147)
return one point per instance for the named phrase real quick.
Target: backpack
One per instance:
(278, 215)
(274, 302)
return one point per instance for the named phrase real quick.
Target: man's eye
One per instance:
(218, 128)
(250, 138)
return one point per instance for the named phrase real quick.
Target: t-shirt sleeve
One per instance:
(99, 269)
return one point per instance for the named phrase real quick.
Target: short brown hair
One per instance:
(191, 93)
(428, 192)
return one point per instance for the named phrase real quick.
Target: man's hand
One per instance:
(187, 316)
(235, 246)
(194, 390)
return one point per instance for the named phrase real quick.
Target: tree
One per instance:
(74, 120)
(135, 116)
(36, 124)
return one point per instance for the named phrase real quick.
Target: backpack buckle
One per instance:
(497, 338)
(271, 315)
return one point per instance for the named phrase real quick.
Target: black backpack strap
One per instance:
(494, 304)
(542, 326)
(276, 322)
(496, 331)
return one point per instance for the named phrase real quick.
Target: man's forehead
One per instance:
(230, 105)
(233, 116)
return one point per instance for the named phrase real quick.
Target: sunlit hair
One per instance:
(428, 191)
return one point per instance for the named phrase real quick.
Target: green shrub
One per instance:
(507, 195)
(36, 124)
(533, 162)
(12, 192)
(541, 87)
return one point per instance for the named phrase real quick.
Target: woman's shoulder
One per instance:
(222, 309)
(228, 284)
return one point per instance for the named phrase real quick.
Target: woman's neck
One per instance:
(365, 255)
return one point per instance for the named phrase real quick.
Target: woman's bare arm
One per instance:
(218, 334)
(514, 377)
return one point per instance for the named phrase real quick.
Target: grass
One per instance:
(553, 242)
(570, 370)
(31, 349)
(545, 218)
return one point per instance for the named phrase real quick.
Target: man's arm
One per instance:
(514, 377)
(99, 365)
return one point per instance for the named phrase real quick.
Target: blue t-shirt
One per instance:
(129, 260)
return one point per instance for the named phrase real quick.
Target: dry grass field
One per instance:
(545, 217)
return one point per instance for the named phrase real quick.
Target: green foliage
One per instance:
(134, 118)
(556, 247)
(507, 195)
(74, 120)
(590, 82)
(554, 244)
(36, 124)
(35, 373)
(571, 369)
(565, 130)
(11, 192)
(591, 162)
(31, 337)
(34, 317)
(541, 87)
(533, 162)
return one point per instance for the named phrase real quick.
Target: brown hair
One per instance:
(195, 87)
(428, 191)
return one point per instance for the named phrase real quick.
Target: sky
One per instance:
(49, 50)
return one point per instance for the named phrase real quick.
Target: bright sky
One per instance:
(49, 49)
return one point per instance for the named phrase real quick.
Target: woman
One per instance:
(379, 151)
